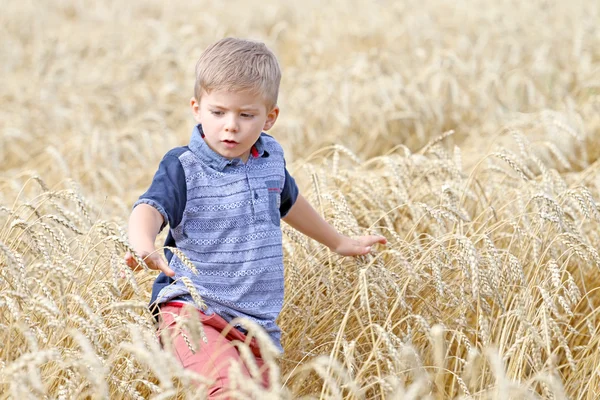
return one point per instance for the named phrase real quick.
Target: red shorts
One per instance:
(212, 359)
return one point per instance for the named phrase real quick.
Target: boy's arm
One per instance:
(162, 203)
(303, 217)
(144, 224)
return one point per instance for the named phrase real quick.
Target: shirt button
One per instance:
(255, 195)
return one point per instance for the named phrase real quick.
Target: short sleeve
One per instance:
(289, 194)
(168, 190)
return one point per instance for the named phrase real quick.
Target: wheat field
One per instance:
(467, 133)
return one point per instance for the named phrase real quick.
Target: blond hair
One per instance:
(239, 65)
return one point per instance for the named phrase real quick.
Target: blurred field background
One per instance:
(467, 133)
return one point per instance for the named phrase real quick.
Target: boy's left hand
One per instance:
(359, 246)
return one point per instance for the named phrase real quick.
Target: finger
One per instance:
(361, 250)
(377, 239)
(157, 263)
(167, 271)
(372, 239)
(130, 261)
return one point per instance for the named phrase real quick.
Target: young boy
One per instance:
(223, 196)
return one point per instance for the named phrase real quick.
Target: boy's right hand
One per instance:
(152, 259)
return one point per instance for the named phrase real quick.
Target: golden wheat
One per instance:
(468, 134)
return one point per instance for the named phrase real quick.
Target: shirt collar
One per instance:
(213, 159)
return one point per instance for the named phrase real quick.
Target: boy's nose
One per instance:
(231, 125)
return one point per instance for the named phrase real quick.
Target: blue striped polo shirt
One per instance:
(224, 215)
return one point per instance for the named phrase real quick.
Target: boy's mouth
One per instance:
(229, 143)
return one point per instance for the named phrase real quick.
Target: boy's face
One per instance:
(232, 121)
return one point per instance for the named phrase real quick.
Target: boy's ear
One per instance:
(195, 105)
(271, 118)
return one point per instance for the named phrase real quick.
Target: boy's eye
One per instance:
(247, 115)
(216, 112)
